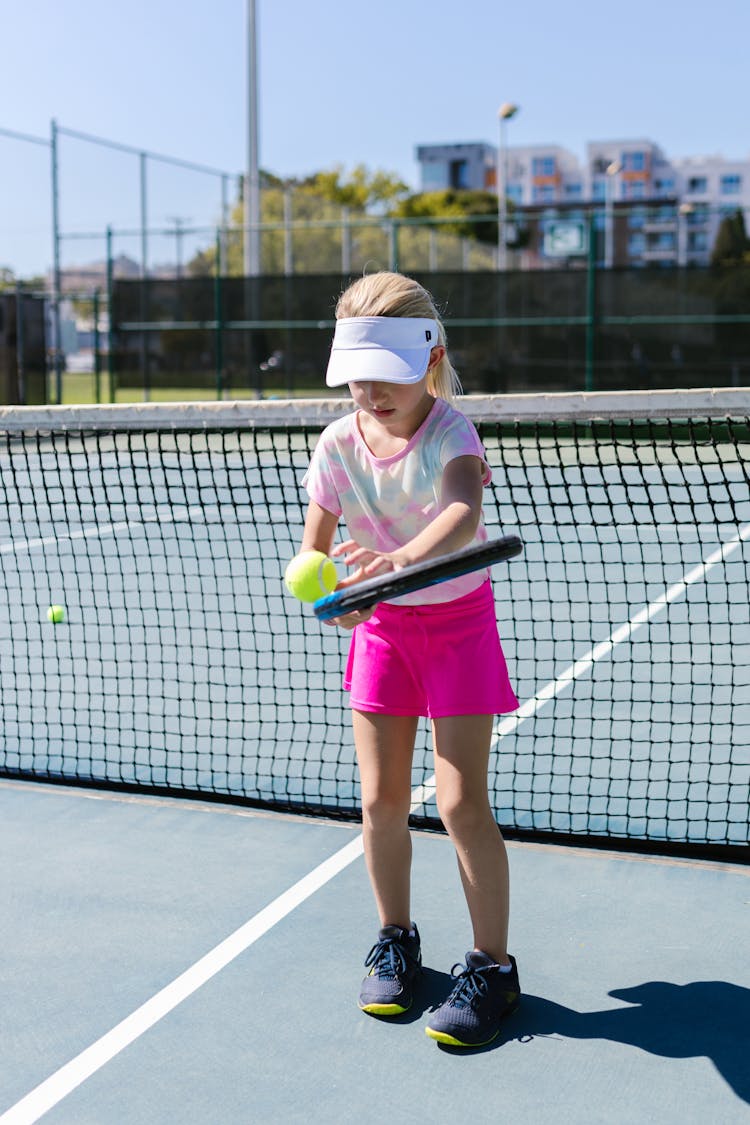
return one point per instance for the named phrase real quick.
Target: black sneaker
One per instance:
(395, 960)
(481, 997)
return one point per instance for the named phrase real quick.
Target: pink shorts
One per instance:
(433, 660)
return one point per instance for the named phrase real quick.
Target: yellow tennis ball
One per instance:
(310, 575)
(56, 614)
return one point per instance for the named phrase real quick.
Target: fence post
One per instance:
(393, 245)
(20, 347)
(590, 304)
(56, 275)
(346, 242)
(110, 315)
(218, 322)
(97, 351)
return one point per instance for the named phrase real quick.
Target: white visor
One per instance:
(382, 349)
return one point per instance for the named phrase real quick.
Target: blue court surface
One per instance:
(175, 961)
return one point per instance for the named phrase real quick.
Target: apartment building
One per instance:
(653, 209)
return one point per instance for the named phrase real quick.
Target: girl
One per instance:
(406, 471)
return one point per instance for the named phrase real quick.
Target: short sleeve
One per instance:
(320, 478)
(461, 439)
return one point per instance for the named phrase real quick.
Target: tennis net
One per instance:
(183, 666)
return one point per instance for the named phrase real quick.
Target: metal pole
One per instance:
(56, 283)
(346, 242)
(609, 219)
(219, 322)
(97, 351)
(505, 112)
(502, 251)
(252, 185)
(110, 330)
(144, 216)
(222, 245)
(590, 305)
(20, 347)
(393, 245)
(288, 259)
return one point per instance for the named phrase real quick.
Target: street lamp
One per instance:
(684, 211)
(251, 247)
(613, 170)
(505, 112)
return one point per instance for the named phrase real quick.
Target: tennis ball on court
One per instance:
(310, 575)
(56, 614)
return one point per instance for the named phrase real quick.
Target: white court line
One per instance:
(50, 1092)
(47, 1095)
(580, 667)
(17, 546)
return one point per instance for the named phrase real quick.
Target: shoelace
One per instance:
(470, 984)
(388, 958)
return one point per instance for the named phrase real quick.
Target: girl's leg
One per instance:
(462, 745)
(385, 747)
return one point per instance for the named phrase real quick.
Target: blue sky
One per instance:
(340, 83)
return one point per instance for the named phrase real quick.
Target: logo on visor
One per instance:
(428, 334)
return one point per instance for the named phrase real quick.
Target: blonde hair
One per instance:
(393, 294)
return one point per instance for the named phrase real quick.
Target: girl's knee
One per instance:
(463, 815)
(385, 810)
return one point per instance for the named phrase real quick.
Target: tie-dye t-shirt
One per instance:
(386, 501)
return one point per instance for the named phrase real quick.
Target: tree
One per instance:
(363, 191)
(731, 245)
(319, 198)
(466, 206)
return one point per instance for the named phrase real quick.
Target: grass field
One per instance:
(79, 389)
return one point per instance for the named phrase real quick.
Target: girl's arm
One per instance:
(454, 526)
(318, 535)
(320, 529)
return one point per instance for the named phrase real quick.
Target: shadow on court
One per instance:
(705, 1018)
(430, 990)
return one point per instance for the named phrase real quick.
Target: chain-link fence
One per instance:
(550, 330)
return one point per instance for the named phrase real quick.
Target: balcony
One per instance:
(659, 254)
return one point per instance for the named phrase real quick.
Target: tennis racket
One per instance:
(363, 595)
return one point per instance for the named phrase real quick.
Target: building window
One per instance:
(698, 184)
(599, 189)
(543, 166)
(544, 193)
(633, 161)
(730, 185)
(636, 218)
(636, 244)
(435, 175)
(636, 189)
(515, 192)
(459, 173)
(697, 240)
(574, 191)
(697, 217)
(664, 240)
(664, 187)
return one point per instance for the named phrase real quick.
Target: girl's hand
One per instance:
(368, 562)
(350, 620)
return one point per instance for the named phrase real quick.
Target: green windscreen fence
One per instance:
(524, 331)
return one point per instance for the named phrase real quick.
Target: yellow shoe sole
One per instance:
(383, 1009)
(451, 1041)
